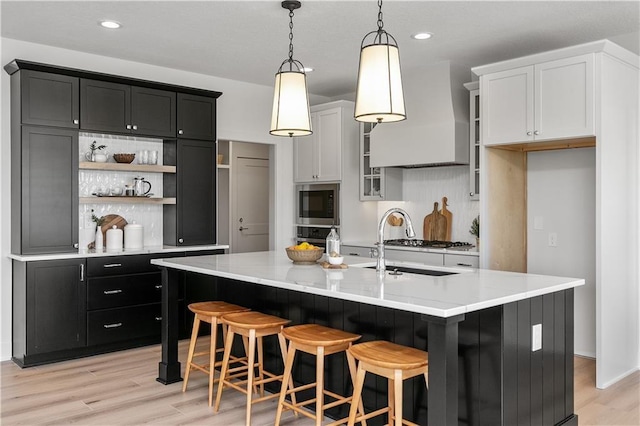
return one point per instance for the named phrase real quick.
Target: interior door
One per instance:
(250, 214)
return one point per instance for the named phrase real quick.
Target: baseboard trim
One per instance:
(618, 378)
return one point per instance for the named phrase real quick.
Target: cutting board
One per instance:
(435, 225)
(109, 221)
(446, 213)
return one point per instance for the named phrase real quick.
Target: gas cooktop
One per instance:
(403, 242)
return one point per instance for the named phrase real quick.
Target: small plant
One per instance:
(475, 227)
(98, 220)
(95, 148)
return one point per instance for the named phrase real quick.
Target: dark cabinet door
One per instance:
(47, 210)
(153, 112)
(49, 99)
(196, 192)
(196, 117)
(56, 314)
(104, 106)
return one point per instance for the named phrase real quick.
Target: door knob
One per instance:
(242, 228)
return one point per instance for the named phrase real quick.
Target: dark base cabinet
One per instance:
(500, 381)
(65, 309)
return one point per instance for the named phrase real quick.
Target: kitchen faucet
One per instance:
(380, 264)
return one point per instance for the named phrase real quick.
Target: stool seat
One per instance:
(390, 355)
(215, 308)
(318, 335)
(254, 320)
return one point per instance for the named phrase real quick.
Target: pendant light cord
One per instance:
(290, 38)
(380, 23)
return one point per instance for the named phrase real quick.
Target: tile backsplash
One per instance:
(423, 187)
(92, 181)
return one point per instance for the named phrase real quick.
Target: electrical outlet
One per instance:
(553, 239)
(536, 337)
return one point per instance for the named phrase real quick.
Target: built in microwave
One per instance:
(317, 204)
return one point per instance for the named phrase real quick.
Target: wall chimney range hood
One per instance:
(436, 131)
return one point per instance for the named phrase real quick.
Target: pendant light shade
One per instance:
(290, 115)
(379, 95)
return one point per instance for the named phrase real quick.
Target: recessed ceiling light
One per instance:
(421, 36)
(112, 25)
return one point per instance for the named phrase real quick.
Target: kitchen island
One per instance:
(476, 324)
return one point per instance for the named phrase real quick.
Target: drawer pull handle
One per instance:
(115, 325)
(112, 291)
(113, 265)
(354, 254)
(465, 264)
(158, 318)
(159, 286)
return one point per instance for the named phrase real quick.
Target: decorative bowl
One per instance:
(124, 158)
(304, 257)
(335, 260)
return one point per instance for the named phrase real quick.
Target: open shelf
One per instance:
(127, 200)
(149, 168)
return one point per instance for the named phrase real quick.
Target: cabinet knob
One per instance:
(76, 245)
(135, 127)
(180, 132)
(471, 194)
(76, 121)
(528, 133)
(180, 240)
(128, 126)
(536, 132)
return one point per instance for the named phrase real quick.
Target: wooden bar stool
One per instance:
(209, 312)
(254, 326)
(319, 341)
(396, 363)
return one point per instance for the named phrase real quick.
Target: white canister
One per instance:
(133, 236)
(114, 239)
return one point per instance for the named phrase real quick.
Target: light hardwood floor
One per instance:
(120, 389)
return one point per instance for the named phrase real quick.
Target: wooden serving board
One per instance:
(327, 265)
(434, 225)
(449, 216)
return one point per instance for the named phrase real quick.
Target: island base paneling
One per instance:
(500, 381)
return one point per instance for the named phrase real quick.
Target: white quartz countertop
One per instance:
(442, 296)
(79, 254)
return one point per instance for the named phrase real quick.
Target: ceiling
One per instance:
(247, 40)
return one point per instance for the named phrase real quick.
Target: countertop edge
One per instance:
(86, 254)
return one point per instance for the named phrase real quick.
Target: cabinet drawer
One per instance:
(112, 325)
(120, 265)
(461, 260)
(112, 292)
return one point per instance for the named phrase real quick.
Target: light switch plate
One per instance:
(536, 337)
(538, 223)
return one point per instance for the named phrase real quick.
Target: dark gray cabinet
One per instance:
(48, 308)
(192, 220)
(120, 108)
(44, 204)
(196, 117)
(48, 99)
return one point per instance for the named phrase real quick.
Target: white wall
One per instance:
(422, 187)
(244, 113)
(561, 197)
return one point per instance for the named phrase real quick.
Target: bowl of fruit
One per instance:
(304, 253)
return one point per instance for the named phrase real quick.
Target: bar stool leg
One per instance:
(357, 392)
(250, 373)
(391, 401)
(397, 384)
(286, 379)
(319, 385)
(225, 367)
(260, 365)
(212, 357)
(192, 348)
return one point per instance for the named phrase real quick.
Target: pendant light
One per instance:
(290, 115)
(379, 97)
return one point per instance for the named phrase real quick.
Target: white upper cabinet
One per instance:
(546, 101)
(318, 157)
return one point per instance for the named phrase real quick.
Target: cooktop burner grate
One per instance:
(430, 244)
